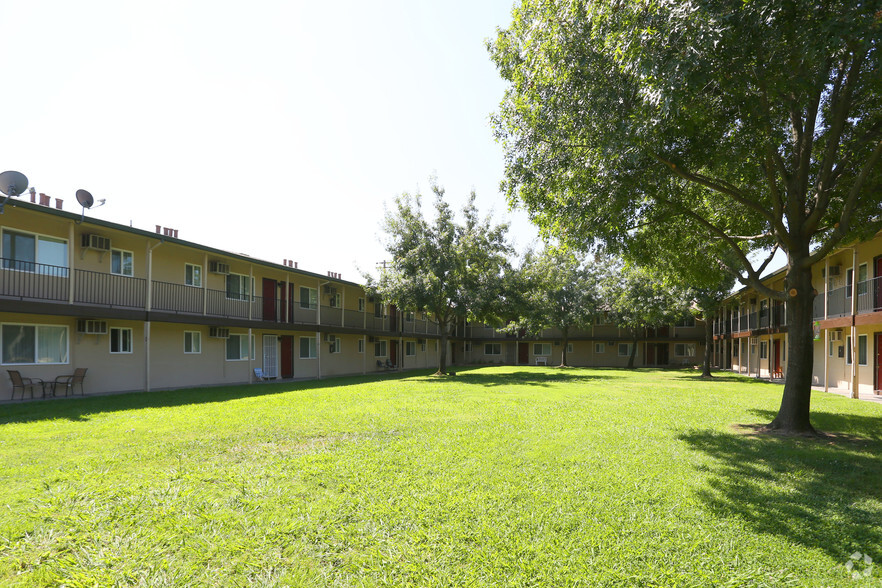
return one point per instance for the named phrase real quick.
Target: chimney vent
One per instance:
(58, 203)
(158, 230)
(44, 199)
(33, 194)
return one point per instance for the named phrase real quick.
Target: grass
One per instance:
(499, 476)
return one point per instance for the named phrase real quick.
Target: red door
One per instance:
(393, 352)
(523, 353)
(287, 359)
(878, 385)
(878, 290)
(269, 300)
(777, 367)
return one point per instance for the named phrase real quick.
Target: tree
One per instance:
(640, 300)
(452, 270)
(555, 290)
(753, 124)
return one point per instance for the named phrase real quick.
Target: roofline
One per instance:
(164, 238)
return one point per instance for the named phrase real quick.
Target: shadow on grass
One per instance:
(79, 409)
(727, 377)
(533, 377)
(822, 494)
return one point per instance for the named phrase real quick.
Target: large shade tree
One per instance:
(754, 124)
(449, 268)
(556, 290)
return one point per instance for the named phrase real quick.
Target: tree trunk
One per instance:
(793, 415)
(633, 351)
(563, 352)
(708, 345)
(442, 357)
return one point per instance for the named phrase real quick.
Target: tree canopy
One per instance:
(448, 268)
(753, 124)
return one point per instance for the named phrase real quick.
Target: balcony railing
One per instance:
(26, 280)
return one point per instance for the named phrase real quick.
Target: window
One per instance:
(120, 340)
(308, 297)
(410, 348)
(192, 342)
(569, 347)
(492, 348)
(830, 351)
(122, 263)
(735, 348)
(863, 276)
(684, 350)
(307, 348)
(238, 287)
(336, 300)
(337, 345)
(600, 348)
(467, 346)
(26, 344)
(624, 349)
(848, 350)
(361, 305)
(423, 346)
(862, 350)
(193, 275)
(541, 348)
(764, 350)
(22, 251)
(237, 347)
(435, 346)
(361, 345)
(600, 319)
(378, 310)
(849, 280)
(380, 349)
(408, 317)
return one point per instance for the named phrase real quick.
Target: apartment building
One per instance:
(147, 310)
(750, 334)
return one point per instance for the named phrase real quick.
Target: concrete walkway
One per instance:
(868, 396)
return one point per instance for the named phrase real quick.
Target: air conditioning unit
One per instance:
(610, 343)
(835, 270)
(96, 242)
(372, 339)
(91, 327)
(219, 332)
(421, 341)
(371, 299)
(218, 267)
(329, 338)
(752, 340)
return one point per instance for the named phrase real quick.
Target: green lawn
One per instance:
(496, 477)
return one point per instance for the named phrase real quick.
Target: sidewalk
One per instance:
(868, 396)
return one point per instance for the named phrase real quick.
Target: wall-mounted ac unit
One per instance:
(219, 332)
(96, 242)
(610, 343)
(218, 267)
(372, 339)
(91, 327)
(752, 340)
(835, 270)
(329, 338)
(421, 341)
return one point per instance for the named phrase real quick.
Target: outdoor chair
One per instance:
(69, 382)
(258, 374)
(21, 383)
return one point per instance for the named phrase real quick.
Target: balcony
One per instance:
(31, 281)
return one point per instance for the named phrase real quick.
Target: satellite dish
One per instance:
(12, 183)
(85, 199)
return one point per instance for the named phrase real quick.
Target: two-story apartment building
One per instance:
(146, 310)
(751, 333)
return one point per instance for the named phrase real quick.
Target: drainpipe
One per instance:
(148, 308)
(252, 350)
(855, 366)
(205, 284)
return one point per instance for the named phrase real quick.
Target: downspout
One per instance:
(70, 264)
(318, 322)
(855, 365)
(252, 349)
(148, 308)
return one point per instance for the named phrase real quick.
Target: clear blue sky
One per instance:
(278, 129)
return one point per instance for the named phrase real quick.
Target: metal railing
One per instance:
(28, 279)
(109, 290)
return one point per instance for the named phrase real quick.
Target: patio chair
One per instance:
(258, 375)
(21, 383)
(69, 382)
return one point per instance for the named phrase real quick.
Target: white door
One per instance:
(270, 356)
